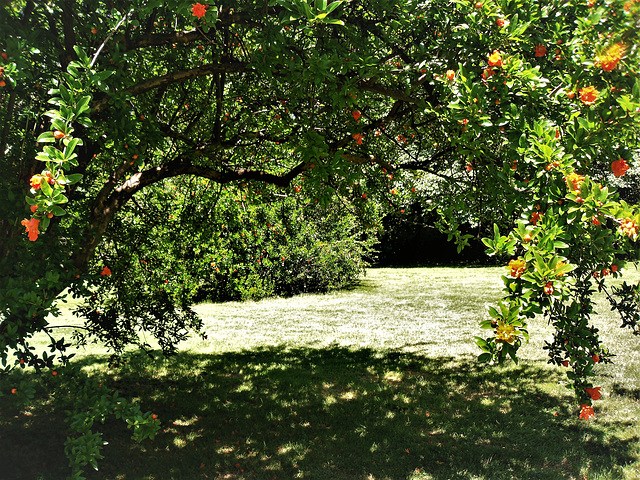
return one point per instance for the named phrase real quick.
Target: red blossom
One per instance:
(594, 393)
(495, 59)
(611, 57)
(488, 72)
(619, 167)
(198, 10)
(586, 412)
(541, 51)
(35, 182)
(105, 272)
(32, 228)
(588, 95)
(356, 115)
(535, 216)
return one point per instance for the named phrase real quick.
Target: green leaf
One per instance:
(59, 198)
(333, 5)
(484, 358)
(65, 94)
(83, 104)
(73, 178)
(82, 55)
(56, 210)
(636, 88)
(46, 188)
(307, 11)
(68, 151)
(46, 137)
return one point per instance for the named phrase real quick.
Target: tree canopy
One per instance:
(128, 124)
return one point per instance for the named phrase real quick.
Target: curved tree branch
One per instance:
(175, 77)
(105, 209)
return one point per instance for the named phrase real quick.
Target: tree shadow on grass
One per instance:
(335, 413)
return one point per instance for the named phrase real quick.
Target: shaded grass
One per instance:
(377, 383)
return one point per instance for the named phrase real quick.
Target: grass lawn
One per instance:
(379, 382)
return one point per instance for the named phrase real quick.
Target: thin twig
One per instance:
(95, 57)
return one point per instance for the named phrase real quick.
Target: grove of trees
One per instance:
(154, 152)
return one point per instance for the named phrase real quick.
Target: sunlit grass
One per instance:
(379, 382)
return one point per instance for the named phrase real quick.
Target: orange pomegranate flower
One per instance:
(629, 227)
(488, 72)
(588, 95)
(517, 267)
(105, 272)
(586, 412)
(608, 63)
(560, 265)
(541, 51)
(611, 57)
(594, 393)
(535, 217)
(32, 228)
(495, 59)
(574, 181)
(358, 138)
(619, 167)
(505, 332)
(35, 182)
(198, 10)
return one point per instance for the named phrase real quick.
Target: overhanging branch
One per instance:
(104, 212)
(175, 77)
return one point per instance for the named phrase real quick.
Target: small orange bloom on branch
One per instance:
(198, 10)
(495, 59)
(32, 228)
(619, 167)
(586, 412)
(588, 95)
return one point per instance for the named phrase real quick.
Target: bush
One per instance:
(234, 243)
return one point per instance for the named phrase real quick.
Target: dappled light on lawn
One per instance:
(282, 388)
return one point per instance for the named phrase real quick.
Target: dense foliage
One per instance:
(502, 112)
